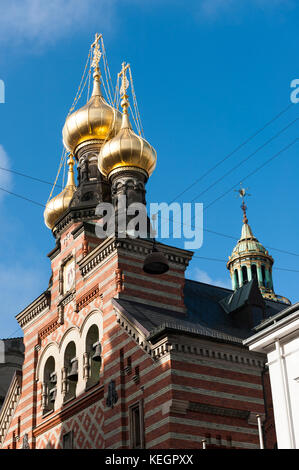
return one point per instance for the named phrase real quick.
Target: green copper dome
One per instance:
(248, 243)
(250, 259)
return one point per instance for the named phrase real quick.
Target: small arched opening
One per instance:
(70, 375)
(236, 276)
(93, 357)
(253, 271)
(245, 274)
(49, 388)
(264, 275)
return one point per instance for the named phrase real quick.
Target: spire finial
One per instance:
(97, 54)
(124, 86)
(70, 177)
(243, 193)
(123, 94)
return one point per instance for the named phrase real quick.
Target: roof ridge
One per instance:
(211, 285)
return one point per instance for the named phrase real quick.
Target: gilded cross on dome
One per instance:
(96, 53)
(125, 81)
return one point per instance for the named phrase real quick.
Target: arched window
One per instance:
(245, 276)
(93, 357)
(49, 389)
(71, 372)
(264, 275)
(253, 271)
(236, 278)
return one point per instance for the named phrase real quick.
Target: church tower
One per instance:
(250, 259)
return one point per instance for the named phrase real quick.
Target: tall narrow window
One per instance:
(254, 271)
(245, 276)
(136, 426)
(236, 278)
(264, 275)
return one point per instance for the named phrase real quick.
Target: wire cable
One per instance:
(246, 141)
(253, 172)
(246, 158)
(28, 176)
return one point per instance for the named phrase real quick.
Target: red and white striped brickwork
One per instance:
(177, 377)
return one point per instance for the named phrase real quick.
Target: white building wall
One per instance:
(280, 341)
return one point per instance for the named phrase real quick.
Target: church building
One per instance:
(121, 350)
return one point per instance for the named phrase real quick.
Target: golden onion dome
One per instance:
(96, 120)
(56, 207)
(127, 149)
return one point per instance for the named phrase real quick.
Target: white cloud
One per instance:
(38, 22)
(5, 176)
(202, 276)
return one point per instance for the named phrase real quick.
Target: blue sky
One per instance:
(207, 76)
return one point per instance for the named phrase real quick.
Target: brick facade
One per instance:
(188, 387)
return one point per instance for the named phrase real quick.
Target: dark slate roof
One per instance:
(205, 313)
(153, 320)
(249, 293)
(204, 303)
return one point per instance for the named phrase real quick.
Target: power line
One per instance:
(246, 141)
(225, 261)
(253, 172)
(27, 176)
(181, 223)
(21, 197)
(228, 191)
(12, 334)
(246, 159)
(207, 230)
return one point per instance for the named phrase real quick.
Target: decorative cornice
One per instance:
(87, 298)
(218, 410)
(85, 227)
(92, 144)
(248, 255)
(127, 246)
(96, 256)
(48, 328)
(127, 170)
(9, 405)
(34, 309)
(74, 215)
(53, 253)
(67, 298)
(210, 352)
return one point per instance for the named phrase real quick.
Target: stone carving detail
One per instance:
(85, 247)
(119, 278)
